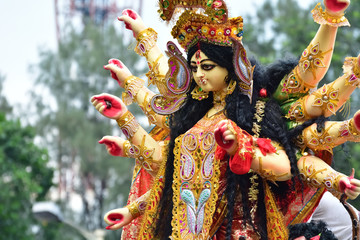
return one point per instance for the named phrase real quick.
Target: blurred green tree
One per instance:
(24, 176)
(90, 182)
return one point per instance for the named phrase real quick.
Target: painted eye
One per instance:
(193, 68)
(207, 67)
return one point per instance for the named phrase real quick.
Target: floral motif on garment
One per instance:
(195, 185)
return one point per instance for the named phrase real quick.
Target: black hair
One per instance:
(309, 230)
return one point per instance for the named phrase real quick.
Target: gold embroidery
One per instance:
(274, 219)
(195, 184)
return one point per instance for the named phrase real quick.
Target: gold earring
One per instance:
(231, 87)
(198, 94)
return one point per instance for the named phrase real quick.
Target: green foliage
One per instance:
(70, 126)
(24, 178)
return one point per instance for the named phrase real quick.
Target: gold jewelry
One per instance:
(352, 128)
(319, 140)
(128, 124)
(137, 207)
(311, 59)
(219, 96)
(326, 98)
(298, 111)
(143, 155)
(258, 116)
(323, 17)
(352, 71)
(330, 181)
(293, 83)
(146, 40)
(198, 94)
(269, 174)
(132, 85)
(154, 75)
(127, 147)
(213, 27)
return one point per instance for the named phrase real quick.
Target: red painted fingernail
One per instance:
(109, 227)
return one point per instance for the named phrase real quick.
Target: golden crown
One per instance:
(202, 20)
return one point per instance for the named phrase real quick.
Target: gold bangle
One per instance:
(132, 85)
(323, 17)
(133, 209)
(128, 124)
(146, 41)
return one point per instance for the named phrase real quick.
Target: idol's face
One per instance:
(207, 74)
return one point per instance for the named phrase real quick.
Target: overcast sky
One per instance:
(26, 26)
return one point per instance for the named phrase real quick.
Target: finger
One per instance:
(127, 20)
(229, 137)
(102, 108)
(95, 102)
(131, 13)
(351, 194)
(99, 105)
(355, 182)
(114, 226)
(117, 62)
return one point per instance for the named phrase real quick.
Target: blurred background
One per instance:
(56, 181)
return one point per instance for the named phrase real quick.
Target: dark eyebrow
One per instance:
(201, 61)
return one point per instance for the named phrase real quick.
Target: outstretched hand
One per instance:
(350, 186)
(114, 145)
(117, 218)
(109, 105)
(118, 71)
(132, 21)
(336, 7)
(225, 136)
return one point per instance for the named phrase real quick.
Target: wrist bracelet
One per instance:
(132, 85)
(323, 17)
(146, 40)
(128, 124)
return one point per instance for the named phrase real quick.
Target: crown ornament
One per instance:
(205, 20)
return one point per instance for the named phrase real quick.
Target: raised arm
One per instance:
(135, 91)
(146, 42)
(144, 148)
(329, 98)
(315, 59)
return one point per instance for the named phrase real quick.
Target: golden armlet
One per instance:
(128, 124)
(132, 86)
(146, 40)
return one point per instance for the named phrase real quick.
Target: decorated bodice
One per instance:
(196, 180)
